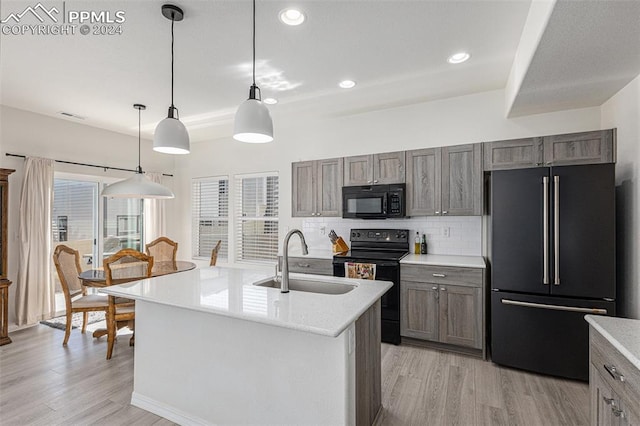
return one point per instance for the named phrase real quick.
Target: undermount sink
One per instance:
(310, 286)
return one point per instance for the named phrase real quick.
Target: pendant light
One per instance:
(253, 122)
(137, 186)
(171, 136)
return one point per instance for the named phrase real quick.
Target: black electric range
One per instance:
(384, 248)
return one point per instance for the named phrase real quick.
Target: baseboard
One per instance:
(166, 411)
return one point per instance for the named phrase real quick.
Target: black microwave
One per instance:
(374, 201)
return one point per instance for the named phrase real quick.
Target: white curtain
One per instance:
(35, 294)
(154, 213)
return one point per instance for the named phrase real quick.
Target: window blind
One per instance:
(210, 216)
(74, 211)
(256, 218)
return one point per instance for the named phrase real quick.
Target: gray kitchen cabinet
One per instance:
(513, 154)
(424, 170)
(308, 265)
(569, 149)
(373, 169)
(614, 383)
(448, 315)
(462, 180)
(316, 188)
(445, 181)
(580, 148)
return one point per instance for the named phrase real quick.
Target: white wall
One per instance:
(623, 111)
(38, 135)
(473, 118)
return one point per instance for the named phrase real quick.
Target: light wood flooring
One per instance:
(43, 383)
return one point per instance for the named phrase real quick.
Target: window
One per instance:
(210, 216)
(256, 217)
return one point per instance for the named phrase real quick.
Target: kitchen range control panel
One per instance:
(380, 235)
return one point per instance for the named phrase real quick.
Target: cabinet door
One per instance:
(513, 154)
(358, 170)
(580, 148)
(423, 182)
(419, 310)
(303, 187)
(462, 180)
(461, 315)
(329, 188)
(603, 400)
(389, 167)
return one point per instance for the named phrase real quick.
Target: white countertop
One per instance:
(229, 292)
(444, 260)
(622, 333)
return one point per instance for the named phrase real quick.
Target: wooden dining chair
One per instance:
(76, 299)
(125, 266)
(214, 254)
(162, 249)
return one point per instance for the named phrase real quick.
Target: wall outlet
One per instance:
(446, 231)
(323, 230)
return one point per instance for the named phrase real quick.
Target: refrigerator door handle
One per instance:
(545, 230)
(556, 229)
(554, 307)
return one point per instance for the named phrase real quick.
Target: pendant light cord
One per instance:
(254, 42)
(172, 22)
(139, 170)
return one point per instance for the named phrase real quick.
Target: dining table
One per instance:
(96, 278)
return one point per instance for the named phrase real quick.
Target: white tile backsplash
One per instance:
(465, 232)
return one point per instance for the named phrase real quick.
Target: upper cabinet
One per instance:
(445, 181)
(580, 148)
(316, 188)
(373, 169)
(569, 149)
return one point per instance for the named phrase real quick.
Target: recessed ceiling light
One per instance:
(347, 84)
(292, 16)
(458, 58)
(270, 101)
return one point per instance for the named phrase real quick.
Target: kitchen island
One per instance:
(213, 348)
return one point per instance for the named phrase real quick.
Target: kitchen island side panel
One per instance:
(193, 367)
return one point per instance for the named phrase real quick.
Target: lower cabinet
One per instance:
(614, 385)
(434, 310)
(308, 265)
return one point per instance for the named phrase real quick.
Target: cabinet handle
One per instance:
(437, 211)
(445, 212)
(443, 289)
(617, 412)
(318, 214)
(303, 265)
(611, 369)
(375, 181)
(369, 181)
(439, 275)
(609, 401)
(434, 287)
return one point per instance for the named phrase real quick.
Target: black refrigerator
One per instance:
(552, 262)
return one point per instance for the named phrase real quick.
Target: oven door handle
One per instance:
(384, 204)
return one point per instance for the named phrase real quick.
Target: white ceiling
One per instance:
(395, 50)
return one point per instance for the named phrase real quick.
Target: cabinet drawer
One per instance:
(442, 275)
(309, 265)
(603, 353)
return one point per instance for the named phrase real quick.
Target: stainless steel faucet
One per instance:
(284, 287)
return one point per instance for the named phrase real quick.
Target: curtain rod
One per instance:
(86, 164)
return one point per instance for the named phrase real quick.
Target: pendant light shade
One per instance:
(137, 186)
(171, 136)
(253, 122)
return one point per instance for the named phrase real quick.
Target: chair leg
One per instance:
(85, 318)
(111, 334)
(67, 329)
